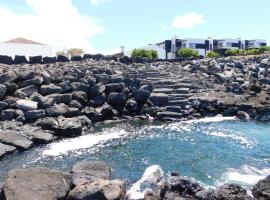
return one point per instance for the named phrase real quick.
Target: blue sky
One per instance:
(105, 25)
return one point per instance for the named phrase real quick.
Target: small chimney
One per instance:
(122, 48)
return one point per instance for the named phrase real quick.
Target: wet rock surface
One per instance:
(51, 95)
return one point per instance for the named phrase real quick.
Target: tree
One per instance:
(62, 53)
(70, 52)
(75, 52)
(151, 54)
(188, 53)
(212, 54)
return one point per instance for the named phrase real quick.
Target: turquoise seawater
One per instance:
(212, 151)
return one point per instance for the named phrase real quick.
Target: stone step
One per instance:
(167, 114)
(176, 98)
(163, 90)
(184, 85)
(177, 102)
(181, 91)
(173, 108)
(181, 95)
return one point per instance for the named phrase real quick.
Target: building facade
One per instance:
(21, 46)
(203, 46)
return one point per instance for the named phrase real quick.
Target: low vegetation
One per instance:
(237, 52)
(212, 54)
(151, 54)
(70, 52)
(188, 53)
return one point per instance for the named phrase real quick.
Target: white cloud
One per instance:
(188, 21)
(95, 2)
(57, 23)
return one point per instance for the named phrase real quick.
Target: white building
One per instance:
(196, 44)
(257, 43)
(21, 46)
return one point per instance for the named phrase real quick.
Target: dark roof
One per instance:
(22, 41)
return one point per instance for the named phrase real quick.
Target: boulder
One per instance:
(99, 190)
(114, 87)
(132, 106)
(75, 104)
(227, 191)
(116, 78)
(6, 60)
(61, 109)
(26, 91)
(15, 139)
(18, 59)
(36, 184)
(80, 96)
(25, 75)
(50, 89)
(97, 101)
(2, 195)
(72, 77)
(117, 99)
(262, 189)
(3, 105)
(37, 80)
(90, 80)
(68, 127)
(61, 58)
(152, 180)
(47, 60)
(80, 86)
(141, 96)
(8, 114)
(35, 59)
(35, 114)
(97, 90)
(26, 105)
(46, 77)
(87, 171)
(6, 150)
(103, 78)
(76, 58)
(47, 123)
(183, 186)
(159, 99)
(3, 90)
(39, 136)
(9, 76)
(11, 87)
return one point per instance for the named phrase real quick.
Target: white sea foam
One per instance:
(245, 175)
(217, 118)
(82, 142)
(241, 139)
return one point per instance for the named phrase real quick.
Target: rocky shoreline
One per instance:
(92, 180)
(40, 103)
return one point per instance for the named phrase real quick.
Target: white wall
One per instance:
(12, 49)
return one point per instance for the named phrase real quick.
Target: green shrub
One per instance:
(144, 53)
(212, 54)
(252, 52)
(232, 52)
(264, 49)
(188, 53)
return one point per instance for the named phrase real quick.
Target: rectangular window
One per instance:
(192, 46)
(229, 44)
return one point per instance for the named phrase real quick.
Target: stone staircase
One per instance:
(177, 89)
